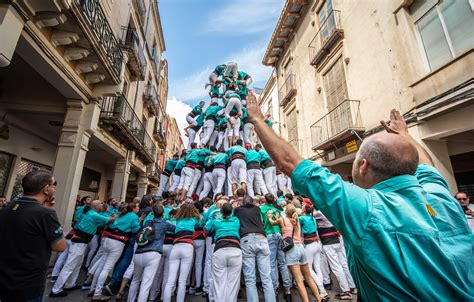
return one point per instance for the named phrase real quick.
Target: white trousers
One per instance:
(194, 183)
(93, 247)
(313, 254)
(208, 265)
(199, 248)
(343, 260)
(58, 265)
(229, 183)
(68, 275)
(213, 140)
(175, 183)
(207, 130)
(164, 184)
(191, 121)
(248, 133)
(161, 275)
(220, 138)
(226, 270)
(219, 175)
(325, 268)
(255, 178)
(181, 259)
(146, 265)
(234, 126)
(191, 136)
(281, 182)
(231, 68)
(208, 185)
(332, 254)
(112, 250)
(238, 171)
(188, 174)
(269, 175)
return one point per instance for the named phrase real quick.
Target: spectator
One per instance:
(464, 199)
(29, 231)
(3, 202)
(399, 209)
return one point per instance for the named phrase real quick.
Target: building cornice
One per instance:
(283, 32)
(157, 20)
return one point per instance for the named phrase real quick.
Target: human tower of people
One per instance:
(222, 210)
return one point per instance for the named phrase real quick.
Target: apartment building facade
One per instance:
(83, 94)
(341, 66)
(173, 136)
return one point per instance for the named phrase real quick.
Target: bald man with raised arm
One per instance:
(406, 235)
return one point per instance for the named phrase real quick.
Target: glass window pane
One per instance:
(459, 19)
(434, 39)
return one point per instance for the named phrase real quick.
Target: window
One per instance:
(125, 89)
(445, 28)
(270, 108)
(26, 166)
(326, 20)
(334, 82)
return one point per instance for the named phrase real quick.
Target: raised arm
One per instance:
(398, 125)
(281, 152)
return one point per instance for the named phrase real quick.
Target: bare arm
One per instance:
(281, 152)
(398, 126)
(59, 245)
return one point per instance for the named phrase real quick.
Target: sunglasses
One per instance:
(462, 199)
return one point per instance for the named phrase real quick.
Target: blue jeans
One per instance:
(122, 265)
(255, 249)
(277, 255)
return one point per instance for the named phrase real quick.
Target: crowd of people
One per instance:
(220, 214)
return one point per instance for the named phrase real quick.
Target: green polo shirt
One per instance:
(170, 164)
(252, 156)
(269, 229)
(407, 237)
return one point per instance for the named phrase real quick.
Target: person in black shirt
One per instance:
(29, 231)
(255, 248)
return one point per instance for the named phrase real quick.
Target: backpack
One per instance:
(146, 235)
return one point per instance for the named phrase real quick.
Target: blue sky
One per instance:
(200, 34)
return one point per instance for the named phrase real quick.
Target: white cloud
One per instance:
(249, 59)
(244, 17)
(179, 110)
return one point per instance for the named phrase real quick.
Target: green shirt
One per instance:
(252, 156)
(224, 227)
(200, 119)
(269, 123)
(170, 164)
(407, 237)
(213, 111)
(128, 223)
(195, 155)
(180, 164)
(90, 221)
(197, 110)
(236, 149)
(308, 224)
(219, 158)
(269, 229)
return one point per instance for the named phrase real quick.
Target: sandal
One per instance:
(344, 296)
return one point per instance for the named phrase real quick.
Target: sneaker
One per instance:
(58, 295)
(53, 279)
(328, 286)
(198, 291)
(86, 286)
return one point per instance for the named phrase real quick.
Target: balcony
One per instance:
(131, 43)
(97, 30)
(154, 172)
(141, 10)
(159, 134)
(120, 119)
(330, 32)
(340, 123)
(287, 90)
(150, 98)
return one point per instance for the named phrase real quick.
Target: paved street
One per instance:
(79, 295)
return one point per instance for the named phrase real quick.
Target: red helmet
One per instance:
(248, 146)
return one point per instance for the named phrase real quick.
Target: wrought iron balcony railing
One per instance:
(150, 98)
(159, 134)
(96, 20)
(330, 32)
(287, 90)
(131, 43)
(154, 171)
(338, 124)
(119, 116)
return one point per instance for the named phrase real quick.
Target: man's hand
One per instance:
(50, 202)
(253, 110)
(397, 123)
